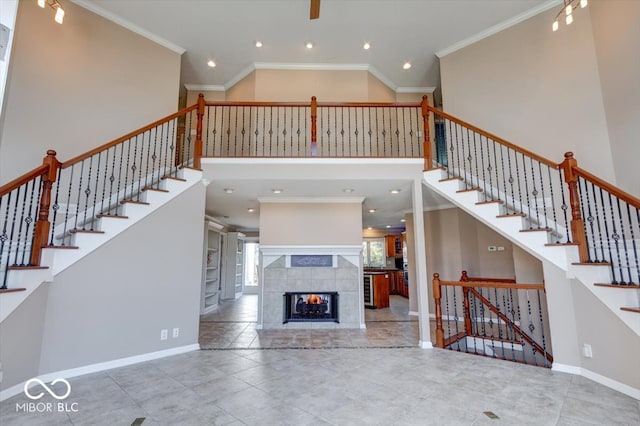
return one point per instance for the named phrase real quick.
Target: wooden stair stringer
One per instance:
(537, 244)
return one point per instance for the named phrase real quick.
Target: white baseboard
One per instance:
(415, 314)
(598, 378)
(564, 368)
(363, 326)
(425, 345)
(94, 368)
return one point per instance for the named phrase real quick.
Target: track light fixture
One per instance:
(59, 16)
(568, 6)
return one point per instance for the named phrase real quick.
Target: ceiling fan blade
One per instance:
(314, 13)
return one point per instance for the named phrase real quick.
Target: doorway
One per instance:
(252, 267)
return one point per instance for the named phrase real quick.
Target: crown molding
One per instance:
(426, 89)
(129, 25)
(309, 67)
(312, 200)
(498, 27)
(242, 74)
(205, 87)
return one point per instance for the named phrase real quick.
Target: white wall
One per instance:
(617, 40)
(536, 88)
(75, 86)
(113, 303)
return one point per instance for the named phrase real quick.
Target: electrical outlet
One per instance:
(586, 351)
(164, 333)
(492, 248)
(176, 332)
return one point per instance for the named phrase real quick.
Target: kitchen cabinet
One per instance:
(394, 245)
(381, 290)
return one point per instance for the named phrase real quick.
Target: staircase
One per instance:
(558, 213)
(56, 214)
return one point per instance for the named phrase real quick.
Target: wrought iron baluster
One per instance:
(531, 327)
(633, 244)
(622, 236)
(484, 179)
(534, 192)
(544, 201)
(541, 325)
(55, 208)
(526, 186)
(475, 154)
(87, 193)
(4, 237)
(16, 218)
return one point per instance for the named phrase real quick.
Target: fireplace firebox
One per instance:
(311, 306)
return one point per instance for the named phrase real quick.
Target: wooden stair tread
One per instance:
(173, 178)
(592, 263)
(21, 268)
(501, 216)
(61, 247)
(469, 190)
(561, 244)
(537, 230)
(111, 216)
(85, 231)
(11, 290)
(451, 178)
(636, 310)
(628, 286)
(150, 188)
(142, 203)
(479, 203)
(190, 168)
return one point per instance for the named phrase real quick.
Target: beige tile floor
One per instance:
(346, 385)
(233, 326)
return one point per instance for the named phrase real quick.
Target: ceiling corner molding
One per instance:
(309, 66)
(427, 89)
(498, 27)
(383, 78)
(129, 25)
(312, 200)
(439, 207)
(204, 87)
(242, 74)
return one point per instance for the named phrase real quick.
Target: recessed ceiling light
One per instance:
(251, 210)
(388, 226)
(372, 210)
(406, 65)
(402, 220)
(348, 190)
(228, 190)
(258, 43)
(370, 228)
(395, 191)
(276, 191)
(211, 64)
(309, 45)
(366, 46)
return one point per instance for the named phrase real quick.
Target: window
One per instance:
(373, 252)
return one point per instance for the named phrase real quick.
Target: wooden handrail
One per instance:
(617, 192)
(256, 103)
(121, 139)
(489, 284)
(370, 104)
(465, 277)
(19, 181)
(506, 320)
(495, 138)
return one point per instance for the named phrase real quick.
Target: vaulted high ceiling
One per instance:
(226, 31)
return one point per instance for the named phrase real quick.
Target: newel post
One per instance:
(314, 117)
(197, 151)
(577, 223)
(42, 228)
(466, 305)
(437, 295)
(426, 141)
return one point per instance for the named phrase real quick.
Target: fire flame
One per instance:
(314, 299)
